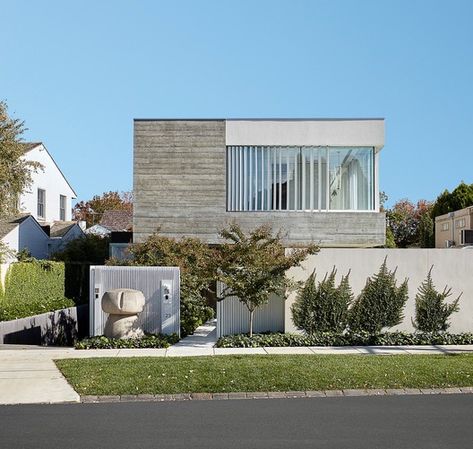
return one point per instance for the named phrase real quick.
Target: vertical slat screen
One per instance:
(261, 178)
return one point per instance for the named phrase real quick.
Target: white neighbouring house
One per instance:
(44, 224)
(49, 197)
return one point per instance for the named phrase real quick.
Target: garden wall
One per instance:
(60, 328)
(452, 267)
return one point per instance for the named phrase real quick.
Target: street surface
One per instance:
(436, 421)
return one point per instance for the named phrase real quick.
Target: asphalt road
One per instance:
(350, 422)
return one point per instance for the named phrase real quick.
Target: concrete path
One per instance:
(28, 374)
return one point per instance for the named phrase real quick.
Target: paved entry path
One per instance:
(29, 375)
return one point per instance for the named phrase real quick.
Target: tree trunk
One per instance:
(251, 322)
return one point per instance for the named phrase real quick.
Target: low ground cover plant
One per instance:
(346, 339)
(151, 375)
(148, 341)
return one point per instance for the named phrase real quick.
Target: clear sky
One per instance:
(79, 72)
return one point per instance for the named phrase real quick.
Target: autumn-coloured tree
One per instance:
(411, 224)
(15, 171)
(91, 211)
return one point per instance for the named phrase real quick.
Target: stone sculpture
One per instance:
(123, 306)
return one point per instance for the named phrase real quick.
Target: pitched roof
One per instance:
(8, 224)
(117, 220)
(28, 146)
(61, 228)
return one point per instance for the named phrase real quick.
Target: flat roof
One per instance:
(274, 119)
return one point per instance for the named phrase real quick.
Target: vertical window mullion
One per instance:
(240, 190)
(311, 179)
(280, 179)
(245, 180)
(274, 176)
(268, 178)
(303, 179)
(327, 181)
(288, 195)
(256, 178)
(250, 185)
(262, 178)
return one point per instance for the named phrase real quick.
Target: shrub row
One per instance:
(325, 307)
(32, 288)
(148, 341)
(347, 339)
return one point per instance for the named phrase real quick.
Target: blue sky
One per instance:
(79, 72)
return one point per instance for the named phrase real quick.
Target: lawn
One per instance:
(119, 376)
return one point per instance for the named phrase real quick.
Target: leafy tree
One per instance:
(323, 307)
(15, 172)
(380, 303)
(253, 266)
(409, 224)
(432, 312)
(459, 198)
(5, 252)
(91, 211)
(196, 261)
(91, 249)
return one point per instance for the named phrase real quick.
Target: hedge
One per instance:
(347, 339)
(32, 288)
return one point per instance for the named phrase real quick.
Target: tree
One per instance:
(380, 303)
(432, 312)
(459, 198)
(253, 266)
(15, 171)
(91, 211)
(196, 262)
(410, 224)
(323, 307)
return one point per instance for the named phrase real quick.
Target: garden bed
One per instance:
(148, 341)
(347, 339)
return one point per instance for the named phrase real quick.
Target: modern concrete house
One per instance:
(454, 229)
(317, 179)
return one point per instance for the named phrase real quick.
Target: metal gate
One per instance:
(233, 316)
(160, 286)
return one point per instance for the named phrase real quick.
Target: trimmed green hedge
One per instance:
(32, 288)
(348, 339)
(148, 341)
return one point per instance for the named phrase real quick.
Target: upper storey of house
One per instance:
(317, 179)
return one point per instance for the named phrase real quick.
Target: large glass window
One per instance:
(300, 178)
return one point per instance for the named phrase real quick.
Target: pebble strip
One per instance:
(273, 395)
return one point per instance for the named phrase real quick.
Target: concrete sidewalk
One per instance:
(28, 374)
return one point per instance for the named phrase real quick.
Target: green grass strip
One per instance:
(119, 376)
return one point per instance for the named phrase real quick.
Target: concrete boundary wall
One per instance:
(60, 327)
(452, 267)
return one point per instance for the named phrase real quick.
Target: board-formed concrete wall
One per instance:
(179, 185)
(452, 267)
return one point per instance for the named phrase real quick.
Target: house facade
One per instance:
(315, 179)
(454, 229)
(49, 197)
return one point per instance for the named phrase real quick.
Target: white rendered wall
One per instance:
(12, 241)
(52, 181)
(452, 267)
(357, 133)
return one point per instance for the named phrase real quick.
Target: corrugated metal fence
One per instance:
(233, 317)
(148, 280)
